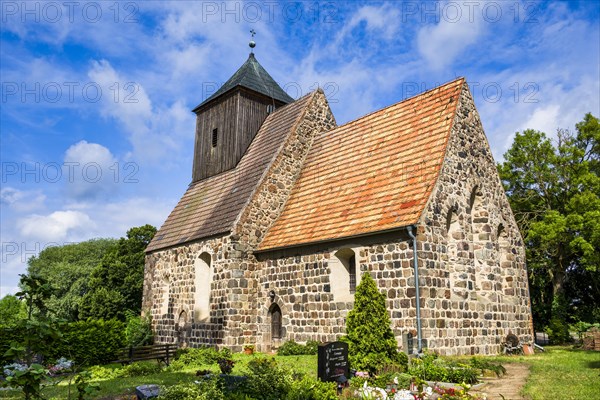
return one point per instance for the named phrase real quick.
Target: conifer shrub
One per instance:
(291, 348)
(371, 342)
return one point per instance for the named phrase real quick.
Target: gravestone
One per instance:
(144, 392)
(332, 361)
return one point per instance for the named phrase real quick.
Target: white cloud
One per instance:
(22, 200)
(442, 43)
(56, 227)
(90, 170)
(154, 132)
(382, 21)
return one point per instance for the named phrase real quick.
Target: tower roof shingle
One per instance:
(253, 76)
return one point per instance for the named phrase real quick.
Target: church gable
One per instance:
(372, 174)
(211, 206)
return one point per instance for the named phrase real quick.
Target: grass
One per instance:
(562, 373)
(559, 373)
(125, 387)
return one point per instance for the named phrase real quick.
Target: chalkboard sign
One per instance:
(332, 361)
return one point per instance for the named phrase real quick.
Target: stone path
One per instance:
(508, 385)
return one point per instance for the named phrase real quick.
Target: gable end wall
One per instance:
(482, 292)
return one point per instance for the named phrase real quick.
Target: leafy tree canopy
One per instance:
(12, 310)
(116, 284)
(554, 190)
(67, 270)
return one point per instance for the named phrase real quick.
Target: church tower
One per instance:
(228, 120)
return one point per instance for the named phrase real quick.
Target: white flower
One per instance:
(10, 369)
(404, 395)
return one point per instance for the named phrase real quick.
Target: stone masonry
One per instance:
(473, 279)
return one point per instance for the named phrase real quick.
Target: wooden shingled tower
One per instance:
(227, 121)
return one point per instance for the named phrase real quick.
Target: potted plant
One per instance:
(249, 349)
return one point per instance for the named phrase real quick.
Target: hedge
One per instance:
(85, 342)
(91, 342)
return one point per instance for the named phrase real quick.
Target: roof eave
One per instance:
(317, 242)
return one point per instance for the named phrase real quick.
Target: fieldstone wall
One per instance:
(169, 287)
(482, 290)
(473, 280)
(301, 281)
(169, 293)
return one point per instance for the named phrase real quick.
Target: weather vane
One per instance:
(252, 42)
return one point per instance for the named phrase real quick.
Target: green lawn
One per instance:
(559, 373)
(126, 386)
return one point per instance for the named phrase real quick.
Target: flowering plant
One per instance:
(226, 365)
(62, 365)
(11, 369)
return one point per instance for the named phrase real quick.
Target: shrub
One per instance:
(194, 358)
(139, 369)
(307, 388)
(291, 348)
(91, 342)
(138, 331)
(558, 331)
(9, 335)
(487, 365)
(100, 373)
(371, 342)
(267, 380)
(432, 368)
(182, 391)
(388, 378)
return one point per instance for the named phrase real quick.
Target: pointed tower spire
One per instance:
(228, 120)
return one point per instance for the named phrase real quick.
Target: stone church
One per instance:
(286, 210)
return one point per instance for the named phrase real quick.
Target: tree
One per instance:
(371, 342)
(68, 269)
(12, 310)
(39, 333)
(554, 191)
(116, 284)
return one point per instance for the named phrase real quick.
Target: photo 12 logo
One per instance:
(25, 250)
(490, 92)
(53, 12)
(70, 92)
(70, 172)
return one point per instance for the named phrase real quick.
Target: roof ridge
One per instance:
(280, 149)
(443, 161)
(401, 101)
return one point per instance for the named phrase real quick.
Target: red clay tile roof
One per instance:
(372, 174)
(211, 206)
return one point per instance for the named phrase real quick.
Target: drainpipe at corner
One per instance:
(417, 297)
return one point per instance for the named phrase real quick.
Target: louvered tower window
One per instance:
(215, 137)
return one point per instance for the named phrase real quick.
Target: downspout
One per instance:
(417, 296)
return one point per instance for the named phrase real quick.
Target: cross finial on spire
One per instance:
(252, 42)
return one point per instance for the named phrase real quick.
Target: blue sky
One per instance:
(96, 129)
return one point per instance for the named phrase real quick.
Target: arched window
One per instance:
(458, 257)
(482, 246)
(202, 282)
(276, 328)
(342, 277)
(165, 288)
(352, 273)
(454, 234)
(505, 258)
